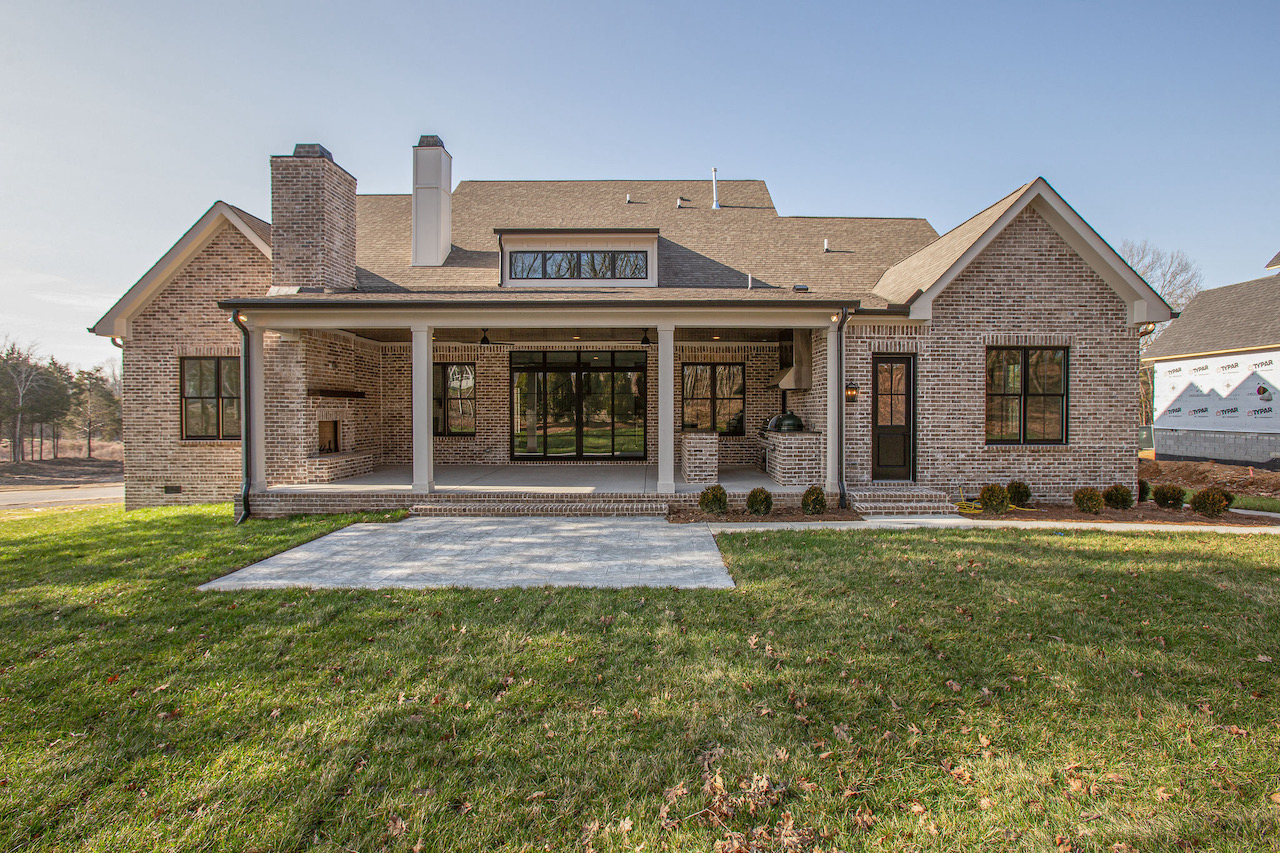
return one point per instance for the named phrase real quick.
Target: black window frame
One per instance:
(217, 398)
(1024, 394)
(440, 397)
(715, 397)
(576, 265)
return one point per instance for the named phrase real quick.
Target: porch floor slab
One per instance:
(490, 553)
(549, 478)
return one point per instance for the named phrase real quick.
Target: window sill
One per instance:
(210, 442)
(1049, 448)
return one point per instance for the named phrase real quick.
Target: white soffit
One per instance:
(1145, 305)
(115, 323)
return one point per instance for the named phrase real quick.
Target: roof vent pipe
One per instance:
(628, 198)
(748, 281)
(715, 192)
(825, 246)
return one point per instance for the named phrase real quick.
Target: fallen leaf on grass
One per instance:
(1275, 798)
(986, 803)
(1162, 795)
(396, 827)
(955, 688)
(275, 713)
(1264, 659)
(673, 794)
(536, 795)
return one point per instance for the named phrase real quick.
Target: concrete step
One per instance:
(554, 507)
(900, 500)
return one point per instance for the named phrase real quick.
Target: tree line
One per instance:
(43, 400)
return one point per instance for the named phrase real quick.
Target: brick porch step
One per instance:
(614, 505)
(900, 500)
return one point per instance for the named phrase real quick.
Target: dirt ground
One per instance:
(1143, 513)
(1197, 475)
(60, 472)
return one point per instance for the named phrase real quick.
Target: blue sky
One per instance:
(120, 123)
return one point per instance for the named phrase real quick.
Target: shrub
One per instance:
(1231, 497)
(1144, 491)
(1019, 493)
(1168, 496)
(814, 501)
(994, 499)
(759, 501)
(1118, 497)
(1211, 501)
(1088, 499)
(714, 499)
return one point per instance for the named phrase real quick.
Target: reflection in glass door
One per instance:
(578, 405)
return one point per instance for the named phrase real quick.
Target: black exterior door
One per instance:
(893, 417)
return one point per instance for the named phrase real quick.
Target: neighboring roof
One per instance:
(1274, 263)
(919, 278)
(702, 253)
(115, 323)
(1224, 319)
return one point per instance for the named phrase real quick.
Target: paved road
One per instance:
(42, 496)
(496, 552)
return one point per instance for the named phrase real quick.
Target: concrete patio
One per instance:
(492, 553)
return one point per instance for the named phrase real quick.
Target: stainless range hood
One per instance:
(795, 360)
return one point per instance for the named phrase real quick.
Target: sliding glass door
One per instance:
(578, 405)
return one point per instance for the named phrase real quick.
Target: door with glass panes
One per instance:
(578, 405)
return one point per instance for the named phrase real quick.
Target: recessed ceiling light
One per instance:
(577, 337)
(715, 337)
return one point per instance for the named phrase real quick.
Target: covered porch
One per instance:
(347, 400)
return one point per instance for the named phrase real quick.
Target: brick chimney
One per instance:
(432, 202)
(313, 222)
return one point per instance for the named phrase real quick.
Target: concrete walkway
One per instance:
(491, 553)
(957, 522)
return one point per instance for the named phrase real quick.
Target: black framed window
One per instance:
(578, 265)
(1026, 395)
(453, 391)
(210, 397)
(715, 398)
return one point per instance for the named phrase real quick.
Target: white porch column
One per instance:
(257, 381)
(423, 468)
(835, 411)
(666, 409)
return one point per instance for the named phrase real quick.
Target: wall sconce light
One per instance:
(851, 392)
(644, 342)
(484, 337)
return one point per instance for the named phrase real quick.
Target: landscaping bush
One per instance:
(759, 501)
(1019, 493)
(1088, 499)
(1118, 497)
(714, 499)
(994, 499)
(1211, 501)
(814, 501)
(1144, 491)
(1168, 496)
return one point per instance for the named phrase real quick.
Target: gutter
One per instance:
(844, 412)
(246, 422)
(776, 303)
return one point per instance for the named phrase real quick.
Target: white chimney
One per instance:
(432, 202)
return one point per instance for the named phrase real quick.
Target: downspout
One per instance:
(844, 411)
(246, 422)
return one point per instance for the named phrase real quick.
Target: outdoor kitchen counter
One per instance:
(794, 458)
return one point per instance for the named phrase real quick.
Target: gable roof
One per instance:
(1274, 263)
(115, 323)
(918, 279)
(702, 252)
(1224, 319)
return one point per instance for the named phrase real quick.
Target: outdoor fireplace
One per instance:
(330, 437)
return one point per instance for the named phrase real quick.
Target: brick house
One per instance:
(598, 346)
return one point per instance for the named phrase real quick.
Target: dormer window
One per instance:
(596, 265)
(579, 257)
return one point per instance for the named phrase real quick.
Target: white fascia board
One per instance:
(1145, 305)
(554, 315)
(115, 323)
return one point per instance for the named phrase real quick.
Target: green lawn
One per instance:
(980, 690)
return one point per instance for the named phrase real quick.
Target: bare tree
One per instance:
(1177, 279)
(22, 377)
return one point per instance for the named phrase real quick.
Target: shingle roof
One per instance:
(1235, 317)
(260, 227)
(920, 270)
(702, 253)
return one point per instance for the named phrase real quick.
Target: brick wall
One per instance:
(796, 458)
(700, 461)
(313, 223)
(1027, 288)
(184, 320)
(762, 403)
